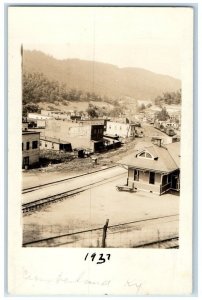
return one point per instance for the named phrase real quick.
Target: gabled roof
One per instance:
(165, 162)
(174, 150)
(149, 150)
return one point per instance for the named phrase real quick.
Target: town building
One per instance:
(166, 139)
(166, 124)
(36, 116)
(81, 134)
(56, 114)
(154, 168)
(121, 127)
(25, 125)
(48, 143)
(30, 147)
(36, 123)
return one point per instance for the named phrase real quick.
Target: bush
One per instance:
(54, 157)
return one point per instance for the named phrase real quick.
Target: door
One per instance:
(25, 163)
(151, 178)
(175, 182)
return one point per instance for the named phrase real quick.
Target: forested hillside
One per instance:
(38, 88)
(74, 78)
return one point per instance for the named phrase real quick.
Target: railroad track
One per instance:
(69, 238)
(36, 204)
(37, 187)
(166, 243)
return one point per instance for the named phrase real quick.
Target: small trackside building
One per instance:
(154, 168)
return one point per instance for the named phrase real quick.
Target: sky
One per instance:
(149, 38)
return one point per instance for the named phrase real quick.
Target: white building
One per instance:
(124, 130)
(36, 116)
(56, 114)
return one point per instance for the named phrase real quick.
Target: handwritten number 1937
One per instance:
(100, 257)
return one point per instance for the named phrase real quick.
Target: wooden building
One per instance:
(49, 143)
(154, 168)
(122, 128)
(30, 147)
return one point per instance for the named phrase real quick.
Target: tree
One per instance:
(163, 115)
(141, 107)
(158, 100)
(149, 105)
(115, 112)
(30, 108)
(169, 98)
(92, 111)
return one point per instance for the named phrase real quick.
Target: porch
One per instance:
(152, 181)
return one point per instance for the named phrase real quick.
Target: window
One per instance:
(34, 144)
(164, 179)
(22, 146)
(27, 146)
(145, 154)
(45, 145)
(26, 161)
(136, 175)
(151, 177)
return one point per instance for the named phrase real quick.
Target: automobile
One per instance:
(88, 152)
(125, 188)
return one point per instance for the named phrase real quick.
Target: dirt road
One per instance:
(91, 208)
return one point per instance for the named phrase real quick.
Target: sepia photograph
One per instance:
(101, 130)
(100, 147)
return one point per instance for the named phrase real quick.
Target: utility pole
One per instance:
(104, 234)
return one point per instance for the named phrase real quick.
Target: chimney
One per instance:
(157, 141)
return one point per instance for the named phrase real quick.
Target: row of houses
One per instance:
(149, 115)
(167, 124)
(152, 167)
(58, 115)
(121, 127)
(64, 135)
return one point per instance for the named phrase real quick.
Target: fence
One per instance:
(128, 235)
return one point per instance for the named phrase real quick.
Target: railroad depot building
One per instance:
(81, 134)
(154, 168)
(48, 143)
(30, 147)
